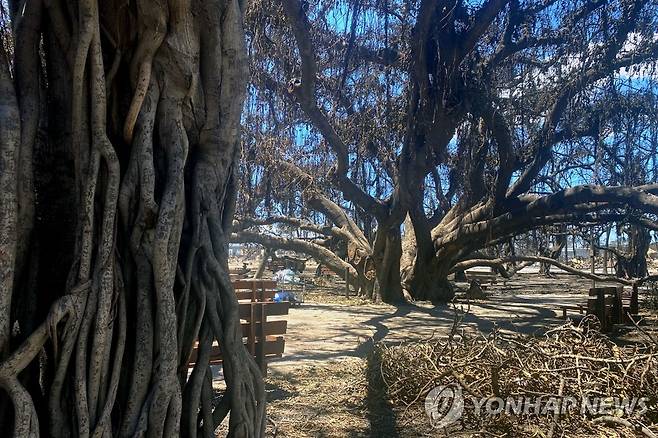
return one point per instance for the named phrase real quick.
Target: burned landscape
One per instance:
(379, 218)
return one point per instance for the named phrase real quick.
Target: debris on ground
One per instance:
(318, 400)
(574, 364)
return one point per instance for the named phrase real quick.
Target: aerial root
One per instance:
(143, 81)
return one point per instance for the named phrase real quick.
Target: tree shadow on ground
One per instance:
(381, 417)
(381, 329)
(410, 322)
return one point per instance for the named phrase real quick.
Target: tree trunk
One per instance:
(262, 265)
(553, 253)
(428, 281)
(634, 263)
(134, 180)
(421, 274)
(386, 257)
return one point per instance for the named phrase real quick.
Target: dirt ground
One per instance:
(323, 384)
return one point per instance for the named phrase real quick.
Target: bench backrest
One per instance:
(326, 271)
(254, 290)
(263, 338)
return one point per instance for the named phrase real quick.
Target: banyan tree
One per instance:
(119, 138)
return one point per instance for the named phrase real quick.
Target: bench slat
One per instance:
(274, 346)
(249, 284)
(247, 294)
(271, 327)
(273, 309)
(254, 325)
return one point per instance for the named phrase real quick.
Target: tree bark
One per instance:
(633, 264)
(423, 277)
(267, 253)
(319, 253)
(386, 258)
(553, 253)
(125, 153)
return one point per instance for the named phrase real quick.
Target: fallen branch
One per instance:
(607, 419)
(499, 264)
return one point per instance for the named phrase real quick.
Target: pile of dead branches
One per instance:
(574, 364)
(585, 263)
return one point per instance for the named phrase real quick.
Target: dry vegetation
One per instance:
(327, 400)
(570, 361)
(384, 394)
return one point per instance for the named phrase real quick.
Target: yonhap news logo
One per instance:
(445, 405)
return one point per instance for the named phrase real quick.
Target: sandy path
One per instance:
(320, 332)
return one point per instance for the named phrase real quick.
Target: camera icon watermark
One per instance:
(444, 405)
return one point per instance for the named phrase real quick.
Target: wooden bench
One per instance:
(482, 277)
(326, 271)
(254, 289)
(276, 265)
(581, 308)
(605, 303)
(262, 337)
(610, 304)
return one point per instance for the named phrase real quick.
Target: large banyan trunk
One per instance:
(423, 276)
(427, 280)
(633, 264)
(122, 119)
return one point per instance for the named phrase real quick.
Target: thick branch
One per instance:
(304, 90)
(572, 205)
(347, 228)
(240, 224)
(483, 19)
(319, 253)
(499, 264)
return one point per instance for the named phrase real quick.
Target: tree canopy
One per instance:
(477, 121)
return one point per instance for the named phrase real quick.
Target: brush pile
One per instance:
(571, 382)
